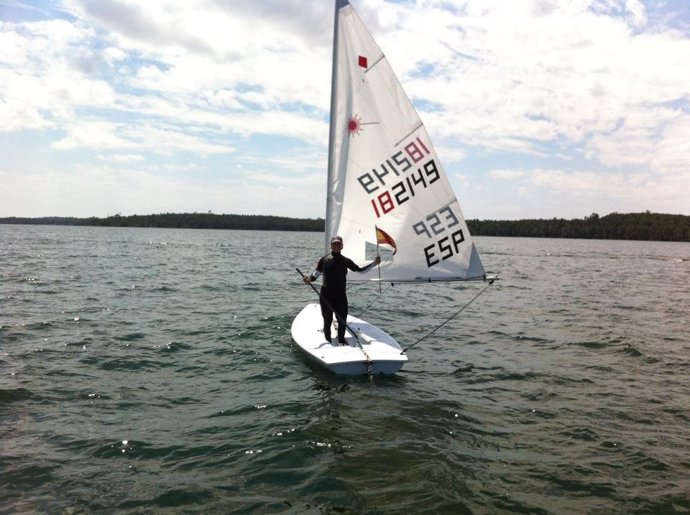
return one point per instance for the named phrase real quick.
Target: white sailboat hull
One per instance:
(380, 353)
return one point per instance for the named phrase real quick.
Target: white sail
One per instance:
(384, 172)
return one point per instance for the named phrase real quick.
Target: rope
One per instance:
(376, 299)
(370, 372)
(449, 319)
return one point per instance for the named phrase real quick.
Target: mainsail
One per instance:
(387, 190)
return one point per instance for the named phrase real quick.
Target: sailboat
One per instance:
(387, 194)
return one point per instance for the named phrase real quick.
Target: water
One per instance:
(152, 370)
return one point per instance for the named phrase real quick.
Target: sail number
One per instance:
(440, 223)
(406, 187)
(404, 190)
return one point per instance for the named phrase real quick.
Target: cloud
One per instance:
(92, 134)
(586, 96)
(657, 139)
(17, 115)
(103, 135)
(547, 193)
(121, 158)
(99, 190)
(563, 71)
(673, 149)
(506, 174)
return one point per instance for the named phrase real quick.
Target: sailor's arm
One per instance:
(315, 274)
(308, 279)
(356, 268)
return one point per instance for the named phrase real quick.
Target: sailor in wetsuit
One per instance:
(334, 268)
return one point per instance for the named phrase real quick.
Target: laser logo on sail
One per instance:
(355, 125)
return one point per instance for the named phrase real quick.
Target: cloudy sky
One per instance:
(537, 108)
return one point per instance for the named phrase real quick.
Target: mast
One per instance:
(331, 131)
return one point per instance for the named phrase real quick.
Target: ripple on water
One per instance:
(9, 395)
(179, 389)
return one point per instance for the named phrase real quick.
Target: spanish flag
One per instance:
(383, 238)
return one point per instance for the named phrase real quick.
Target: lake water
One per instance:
(152, 370)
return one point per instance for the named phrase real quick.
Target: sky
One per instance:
(537, 108)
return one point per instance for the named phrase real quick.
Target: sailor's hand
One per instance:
(377, 260)
(306, 280)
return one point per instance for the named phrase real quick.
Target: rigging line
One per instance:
(491, 281)
(376, 299)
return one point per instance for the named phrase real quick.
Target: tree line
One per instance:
(615, 226)
(184, 221)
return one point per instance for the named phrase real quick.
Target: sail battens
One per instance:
(417, 127)
(372, 66)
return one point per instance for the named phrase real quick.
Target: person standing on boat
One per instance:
(334, 267)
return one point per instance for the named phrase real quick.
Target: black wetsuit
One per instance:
(334, 268)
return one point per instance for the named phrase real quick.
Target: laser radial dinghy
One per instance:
(387, 194)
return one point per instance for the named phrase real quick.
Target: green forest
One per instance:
(185, 221)
(614, 226)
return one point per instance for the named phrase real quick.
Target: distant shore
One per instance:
(615, 226)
